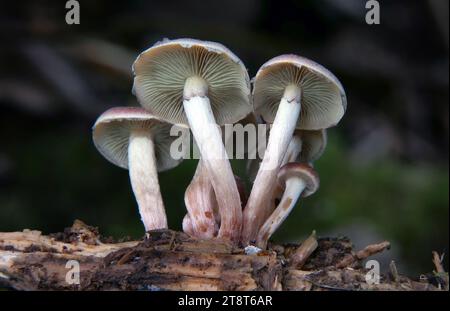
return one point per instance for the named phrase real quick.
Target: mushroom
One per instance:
(200, 84)
(290, 92)
(297, 179)
(304, 147)
(134, 139)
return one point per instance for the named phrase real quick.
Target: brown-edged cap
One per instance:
(112, 130)
(302, 171)
(323, 99)
(161, 72)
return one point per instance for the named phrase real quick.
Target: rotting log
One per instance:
(169, 260)
(163, 260)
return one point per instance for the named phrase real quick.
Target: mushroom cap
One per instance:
(313, 145)
(160, 73)
(303, 171)
(323, 98)
(112, 130)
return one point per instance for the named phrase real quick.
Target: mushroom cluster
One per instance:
(203, 86)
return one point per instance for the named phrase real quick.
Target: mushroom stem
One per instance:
(144, 180)
(280, 135)
(209, 140)
(200, 200)
(293, 150)
(294, 188)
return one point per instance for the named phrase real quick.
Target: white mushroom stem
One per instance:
(209, 140)
(280, 135)
(294, 188)
(200, 201)
(293, 150)
(144, 180)
(291, 155)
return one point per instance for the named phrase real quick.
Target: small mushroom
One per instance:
(134, 139)
(290, 92)
(200, 84)
(304, 147)
(297, 179)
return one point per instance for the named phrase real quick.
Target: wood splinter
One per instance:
(368, 251)
(305, 250)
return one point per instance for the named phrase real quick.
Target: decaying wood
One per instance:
(305, 250)
(440, 272)
(393, 271)
(169, 260)
(363, 254)
(437, 260)
(164, 260)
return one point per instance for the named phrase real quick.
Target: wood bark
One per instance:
(169, 260)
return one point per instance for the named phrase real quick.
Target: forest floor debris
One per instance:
(170, 260)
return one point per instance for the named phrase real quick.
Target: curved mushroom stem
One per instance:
(263, 187)
(144, 180)
(200, 201)
(294, 188)
(209, 140)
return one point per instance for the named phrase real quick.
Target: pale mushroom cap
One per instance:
(112, 130)
(161, 71)
(303, 171)
(323, 98)
(313, 145)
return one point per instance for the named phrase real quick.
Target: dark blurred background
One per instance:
(384, 174)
